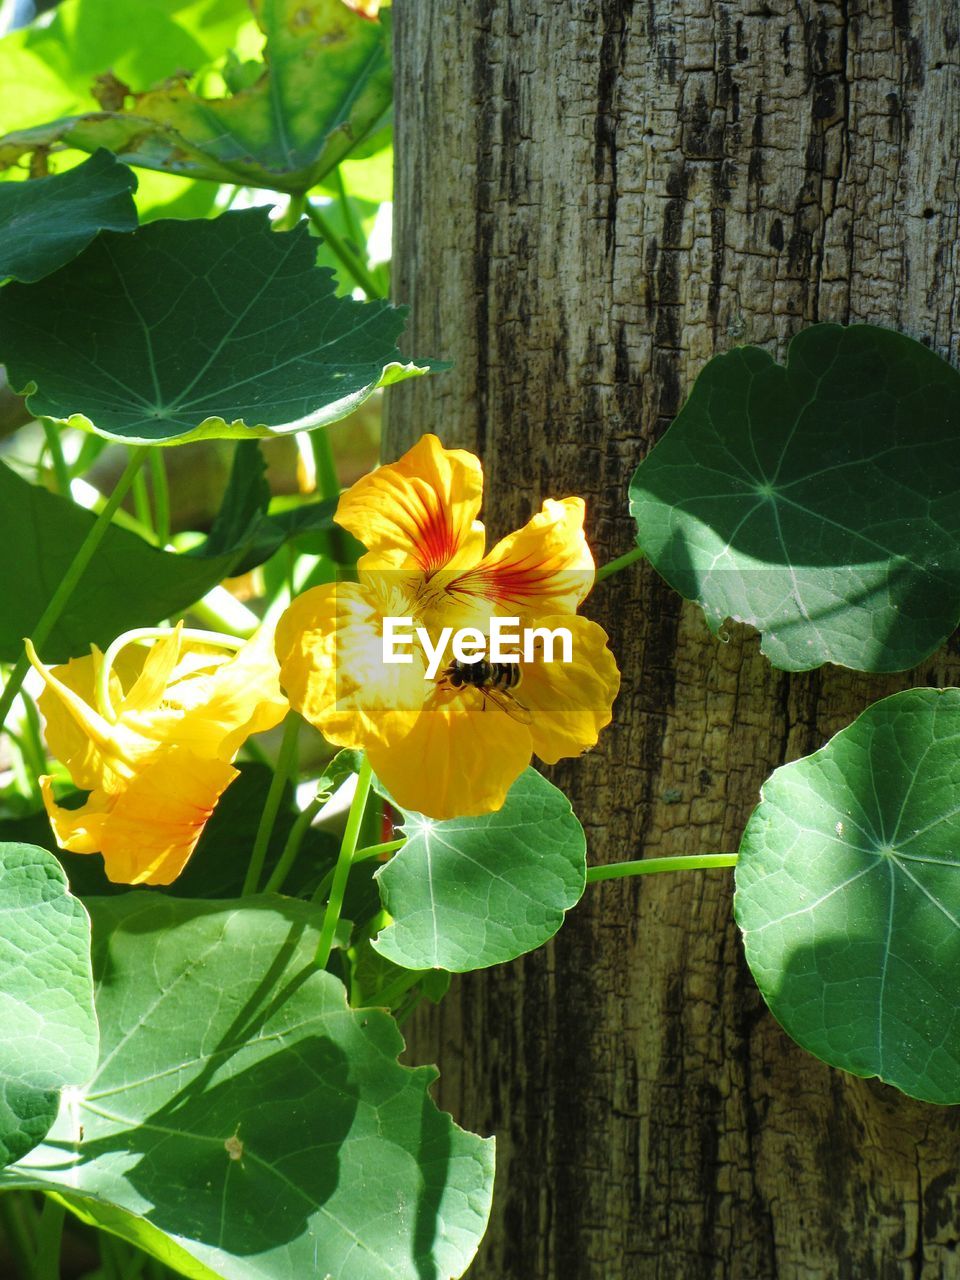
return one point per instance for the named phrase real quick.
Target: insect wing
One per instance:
(508, 703)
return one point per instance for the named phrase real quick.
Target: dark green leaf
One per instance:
(472, 892)
(848, 895)
(241, 1108)
(127, 584)
(183, 330)
(45, 223)
(243, 518)
(324, 86)
(46, 996)
(818, 501)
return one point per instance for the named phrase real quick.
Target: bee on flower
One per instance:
(151, 734)
(449, 738)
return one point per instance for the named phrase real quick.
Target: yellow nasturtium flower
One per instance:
(443, 746)
(152, 740)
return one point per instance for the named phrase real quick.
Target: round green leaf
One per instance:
(817, 501)
(241, 1108)
(187, 329)
(46, 222)
(471, 892)
(49, 1026)
(848, 895)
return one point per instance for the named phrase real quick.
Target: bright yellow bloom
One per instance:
(155, 752)
(443, 748)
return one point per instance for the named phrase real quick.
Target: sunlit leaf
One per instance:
(242, 1109)
(471, 892)
(45, 223)
(848, 895)
(51, 68)
(818, 501)
(324, 85)
(184, 330)
(49, 1026)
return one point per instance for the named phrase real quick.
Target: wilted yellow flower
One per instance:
(152, 740)
(449, 742)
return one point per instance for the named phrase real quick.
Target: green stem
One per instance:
(47, 1266)
(271, 807)
(354, 230)
(651, 866)
(373, 850)
(389, 995)
(15, 1231)
(292, 214)
(65, 589)
(161, 496)
(348, 847)
(621, 562)
(141, 504)
(328, 482)
(292, 847)
(61, 471)
(343, 253)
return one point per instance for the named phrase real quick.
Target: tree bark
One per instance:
(594, 197)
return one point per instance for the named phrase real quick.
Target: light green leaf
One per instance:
(471, 892)
(53, 63)
(848, 895)
(45, 223)
(49, 1026)
(818, 501)
(244, 1110)
(323, 86)
(183, 330)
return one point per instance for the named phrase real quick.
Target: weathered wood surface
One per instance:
(593, 197)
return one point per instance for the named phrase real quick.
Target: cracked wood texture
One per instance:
(593, 197)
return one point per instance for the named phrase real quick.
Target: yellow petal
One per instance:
(545, 567)
(157, 666)
(156, 823)
(457, 760)
(89, 745)
(217, 711)
(330, 647)
(79, 830)
(419, 512)
(570, 702)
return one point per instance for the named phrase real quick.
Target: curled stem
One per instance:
(212, 638)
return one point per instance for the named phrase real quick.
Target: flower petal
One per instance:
(458, 759)
(214, 712)
(330, 647)
(545, 567)
(79, 830)
(147, 832)
(92, 749)
(570, 702)
(419, 512)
